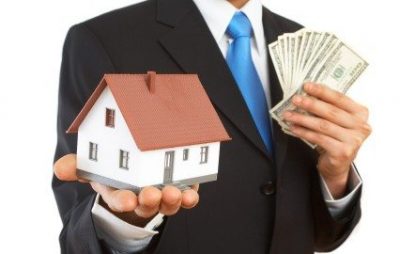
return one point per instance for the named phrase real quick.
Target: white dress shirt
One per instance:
(123, 237)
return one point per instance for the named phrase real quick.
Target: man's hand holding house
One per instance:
(132, 208)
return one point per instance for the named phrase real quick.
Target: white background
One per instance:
(31, 38)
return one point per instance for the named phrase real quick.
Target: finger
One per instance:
(190, 198)
(319, 125)
(327, 143)
(336, 98)
(325, 111)
(65, 168)
(117, 200)
(171, 200)
(195, 187)
(148, 202)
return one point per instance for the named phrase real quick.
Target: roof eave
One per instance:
(74, 127)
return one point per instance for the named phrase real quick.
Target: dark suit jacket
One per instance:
(260, 203)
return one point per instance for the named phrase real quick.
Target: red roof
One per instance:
(161, 110)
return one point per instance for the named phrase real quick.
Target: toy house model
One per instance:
(154, 129)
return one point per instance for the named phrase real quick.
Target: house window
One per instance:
(123, 159)
(168, 162)
(93, 151)
(203, 154)
(185, 154)
(110, 117)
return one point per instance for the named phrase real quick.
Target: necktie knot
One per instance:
(239, 26)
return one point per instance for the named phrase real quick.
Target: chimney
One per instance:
(151, 81)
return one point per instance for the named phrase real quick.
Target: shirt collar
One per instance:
(218, 14)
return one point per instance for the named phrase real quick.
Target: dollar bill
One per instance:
(281, 45)
(309, 56)
(309, 50)
(298, 41)
(341, 68)
(305, 40)
(292, 47)
(277, 62)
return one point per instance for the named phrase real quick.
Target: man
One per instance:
(273, 194)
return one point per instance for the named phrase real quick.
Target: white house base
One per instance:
(182, 185)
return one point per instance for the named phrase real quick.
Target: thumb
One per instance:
(65, 168)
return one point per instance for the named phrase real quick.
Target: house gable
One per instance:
(110, 141)
(73, 128)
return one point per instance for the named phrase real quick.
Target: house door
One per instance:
(169, 166)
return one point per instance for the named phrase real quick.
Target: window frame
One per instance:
(93, 151)
(110, 118)
(204, 154)
(185, 154)
(168, 163)
(123, 159)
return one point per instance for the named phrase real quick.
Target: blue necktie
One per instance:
(242, 67)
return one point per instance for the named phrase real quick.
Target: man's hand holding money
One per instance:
(337, 125)
(319, 112)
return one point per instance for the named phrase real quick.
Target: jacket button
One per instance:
(268, 188)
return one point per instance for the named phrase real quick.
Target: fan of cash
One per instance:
(309, 56)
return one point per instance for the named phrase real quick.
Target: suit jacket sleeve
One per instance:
(331, 232)
(84, 62)
(83, 65)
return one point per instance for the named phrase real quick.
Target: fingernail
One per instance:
(297, 99)
(287, 114)
(309, 86)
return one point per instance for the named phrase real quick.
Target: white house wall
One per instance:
(152, 162)
(145, 168)
(109, 140)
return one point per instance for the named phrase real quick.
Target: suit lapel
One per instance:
(192, 46)
(271, 32)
